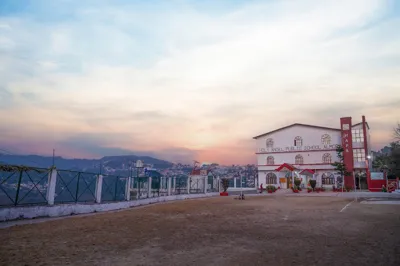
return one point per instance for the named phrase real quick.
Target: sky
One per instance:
(184, 80)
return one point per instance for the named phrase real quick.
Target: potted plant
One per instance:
(225, 185)
(309, 190)
(313, 183)
(271, 189)
(297, 182)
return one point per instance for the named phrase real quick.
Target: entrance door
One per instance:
(288, 177)
(282, 182)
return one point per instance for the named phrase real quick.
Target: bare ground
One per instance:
(273, 230)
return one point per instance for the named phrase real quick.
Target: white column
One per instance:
(169, 183)
(205, 184)
(234, 182)
(174, 185)
(188, 185)
(149, 187)
(128, 188)
(51, 186)
(99, 186)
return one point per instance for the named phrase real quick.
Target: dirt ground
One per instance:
(218, 231)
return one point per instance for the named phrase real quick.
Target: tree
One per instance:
(397, 132)
(382, 162)
(225, 184)
(340, 166)
(389, 163)
(394, 165)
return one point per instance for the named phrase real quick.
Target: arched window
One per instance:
(328, 179)
(298, 141)
(270, 143)
(326, 139)
(327, 158)
(270, 179)
(270, 160)
(298, 159)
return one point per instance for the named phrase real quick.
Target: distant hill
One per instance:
(109, 163)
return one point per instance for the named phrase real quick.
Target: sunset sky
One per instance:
(183, 80)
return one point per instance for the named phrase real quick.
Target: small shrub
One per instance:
(225, 184)
(313, 183)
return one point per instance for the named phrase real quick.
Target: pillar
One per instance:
(347, 144)
(205, 184)
(169, 183)
(174, 185)
(128, 188)
(188, 185)
(234, 182)
(98, 189)
(51, 186)
(149, 187)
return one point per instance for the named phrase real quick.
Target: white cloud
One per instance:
(277, 57)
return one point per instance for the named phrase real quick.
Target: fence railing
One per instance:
(23, 185)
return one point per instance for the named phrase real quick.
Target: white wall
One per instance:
(284, 140)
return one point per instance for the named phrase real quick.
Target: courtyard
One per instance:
(261, 230)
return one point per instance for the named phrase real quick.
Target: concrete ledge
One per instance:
(30, 212)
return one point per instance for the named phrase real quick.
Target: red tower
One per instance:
(347, 144)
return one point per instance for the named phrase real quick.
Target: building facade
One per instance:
(307, 152)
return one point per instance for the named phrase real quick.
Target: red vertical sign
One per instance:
(347, 144)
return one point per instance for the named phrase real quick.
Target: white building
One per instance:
(307, 151)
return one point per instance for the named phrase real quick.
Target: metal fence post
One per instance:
(188, 185)
(18, 187)
(169, 185)
(77, 187)
(128, 188)
(51, 186)
(99, 187)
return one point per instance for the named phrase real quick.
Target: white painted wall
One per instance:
(285, 138)
(29, 212)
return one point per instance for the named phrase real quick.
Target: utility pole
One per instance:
(54, 152)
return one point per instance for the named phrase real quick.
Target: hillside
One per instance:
(109, 163)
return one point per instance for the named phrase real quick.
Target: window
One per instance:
(270, 143)
(358, 135)
(270, 178)
(328, 179)
(327, 158)
(298, 141)
(298, 159)
(326, 139)
(270, 160)
(359, 155)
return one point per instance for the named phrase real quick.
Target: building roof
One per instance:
(292, 125)
(305, 125)
(285, 166)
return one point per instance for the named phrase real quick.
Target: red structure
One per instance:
(347, 144)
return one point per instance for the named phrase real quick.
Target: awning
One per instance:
(285, 167)
(307, 172)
